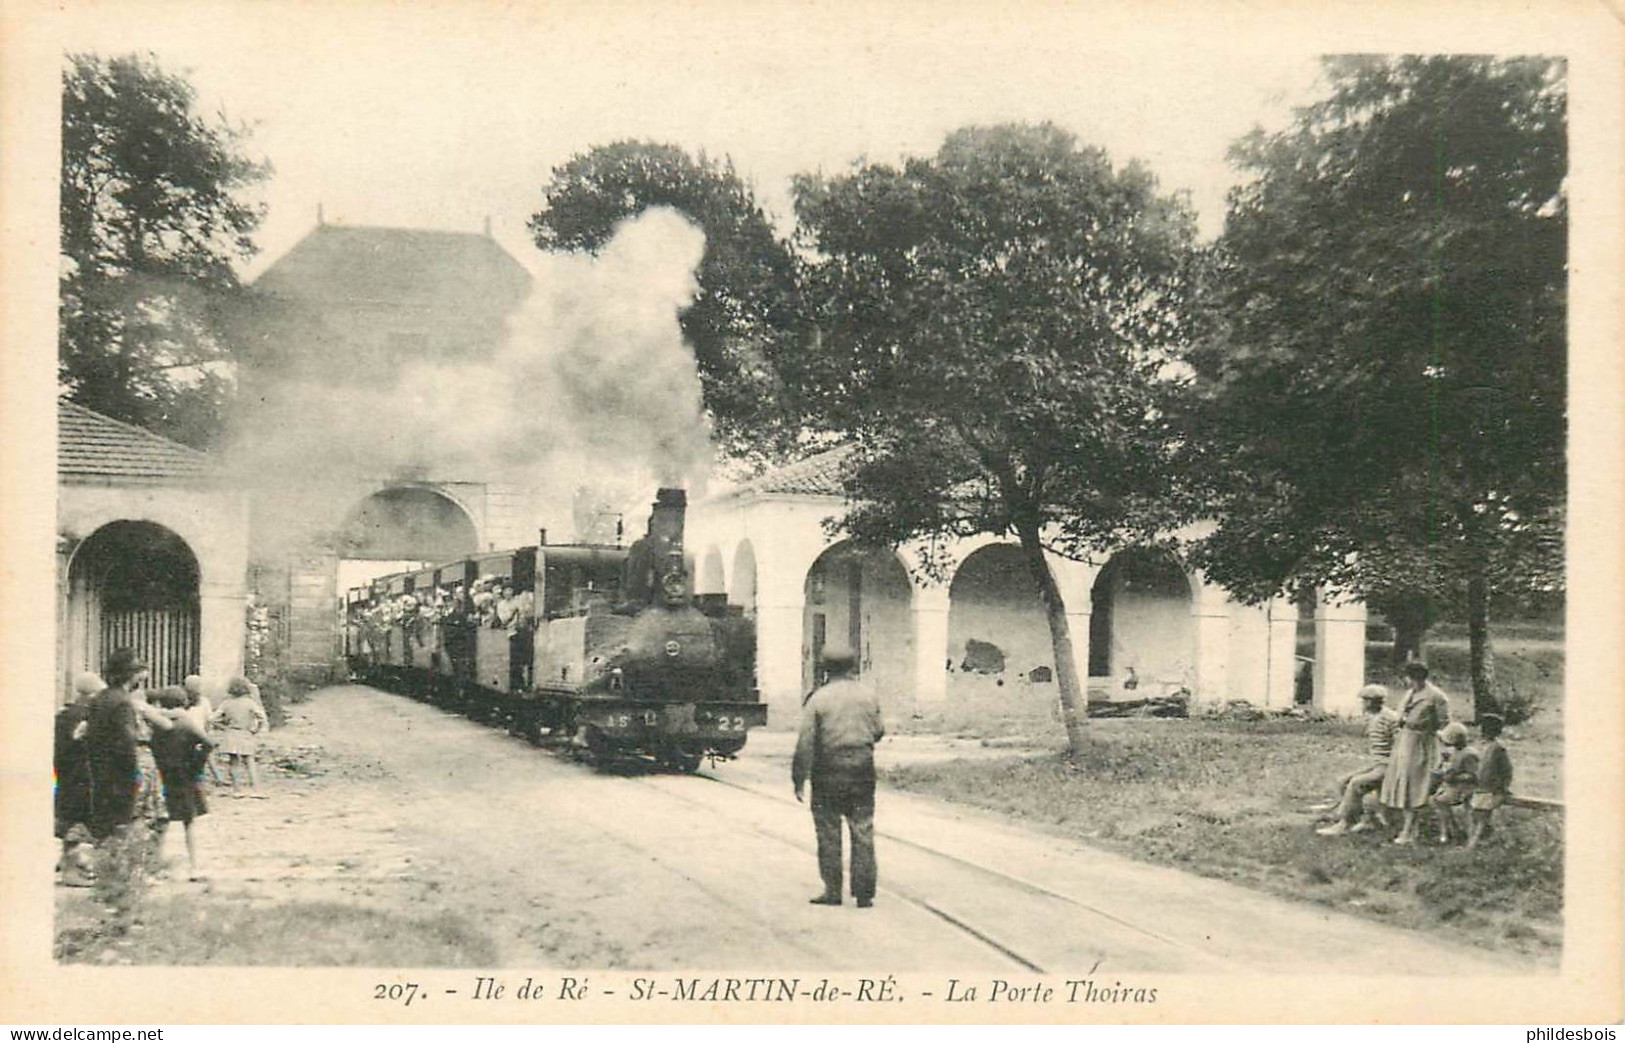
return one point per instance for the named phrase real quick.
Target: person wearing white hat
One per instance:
(1457, 777)
(1380, 725)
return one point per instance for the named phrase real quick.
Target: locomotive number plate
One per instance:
(631, 719)
(724, 722)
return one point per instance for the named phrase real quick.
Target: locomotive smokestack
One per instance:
(666, 520)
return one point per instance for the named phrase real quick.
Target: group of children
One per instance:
(1476, 777)
(146, 763)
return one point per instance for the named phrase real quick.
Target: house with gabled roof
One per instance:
(152, 552)
(347, 307)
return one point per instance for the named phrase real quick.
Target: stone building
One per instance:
(152, 551)
(347, 307)
(980, 635)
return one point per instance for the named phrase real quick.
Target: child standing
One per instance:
(241, 718)
(1457, 776)
(182, 751)
(1494, 780)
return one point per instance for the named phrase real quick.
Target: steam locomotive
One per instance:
(606, 648)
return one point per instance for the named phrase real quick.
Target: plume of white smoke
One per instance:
(593, 387)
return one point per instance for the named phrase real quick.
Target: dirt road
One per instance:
(378, 800)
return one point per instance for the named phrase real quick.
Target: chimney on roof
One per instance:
(321, 219)
(487, 226)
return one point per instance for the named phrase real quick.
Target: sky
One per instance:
(441, 116)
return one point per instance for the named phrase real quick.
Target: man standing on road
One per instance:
(840, 724)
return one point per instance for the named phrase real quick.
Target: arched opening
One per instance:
(134, 584)
(402, 528)
(708, 579)
(1141, 632)
(857, 604)
(998, 636)
(742, 591)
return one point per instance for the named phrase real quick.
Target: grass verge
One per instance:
(218, 930)
(1230, 800)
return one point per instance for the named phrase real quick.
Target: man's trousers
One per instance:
(839, 796)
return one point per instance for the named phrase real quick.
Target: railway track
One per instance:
(968, 923)
(682, 789)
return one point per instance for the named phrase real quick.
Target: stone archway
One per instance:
(1141, 621)
(858, 603)
(998, 636)
(135, 584)
(709, 577)
(407, 523)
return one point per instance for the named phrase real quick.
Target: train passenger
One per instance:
(835, 750)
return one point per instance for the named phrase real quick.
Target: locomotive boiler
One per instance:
(606, 648)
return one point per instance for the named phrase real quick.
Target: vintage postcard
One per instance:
(751, 513)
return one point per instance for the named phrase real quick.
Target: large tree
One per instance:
(745, 314)
(1384, 385)
(996, 329)
(152, 215)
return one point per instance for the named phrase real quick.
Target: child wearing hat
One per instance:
(1457, 775)
(1494, 780)
(240, 718)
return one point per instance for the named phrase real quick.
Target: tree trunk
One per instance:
(1407, 640)
(1074, 697)
(1480, 655)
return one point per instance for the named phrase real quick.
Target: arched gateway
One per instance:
(134, 584)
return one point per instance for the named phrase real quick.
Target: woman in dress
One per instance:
(1416, 750)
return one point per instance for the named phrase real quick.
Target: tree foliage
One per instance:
(152, 216)
(1383, 388)
(996, 329)
(745, 314)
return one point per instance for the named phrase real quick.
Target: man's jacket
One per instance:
(840, 724)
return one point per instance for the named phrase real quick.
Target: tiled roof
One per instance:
(819, 475)
(90, 445)
(396, 266)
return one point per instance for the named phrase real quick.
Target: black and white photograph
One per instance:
(1052, 513)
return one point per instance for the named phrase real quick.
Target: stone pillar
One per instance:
(313, 631)
(1249, 673)
(1210, 609)
(1283, 653)
(1077, 624)
(221, 618)
(1075, 581)
(66, 644)
(930, 619)
(778, 662)
(1339, 655)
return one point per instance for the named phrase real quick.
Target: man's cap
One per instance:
(1374, 693)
